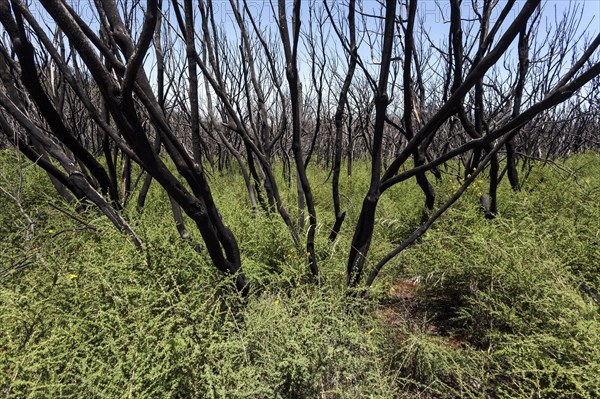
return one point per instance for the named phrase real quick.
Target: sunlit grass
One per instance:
(476, 308)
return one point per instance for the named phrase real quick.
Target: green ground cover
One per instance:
(477, 308)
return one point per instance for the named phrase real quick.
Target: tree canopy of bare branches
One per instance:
(91, 96)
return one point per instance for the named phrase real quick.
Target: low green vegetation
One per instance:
(477, 308)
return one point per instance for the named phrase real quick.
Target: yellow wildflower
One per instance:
(50, 231)
(73, 276)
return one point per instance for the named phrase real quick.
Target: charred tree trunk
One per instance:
(361, 241)
(511, 159)
(291, 54)
(339, 123)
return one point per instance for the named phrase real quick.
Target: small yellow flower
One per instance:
(308, 254)
(276, 302)
(73, 276)
(50, 231)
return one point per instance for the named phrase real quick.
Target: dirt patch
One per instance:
(409, 309)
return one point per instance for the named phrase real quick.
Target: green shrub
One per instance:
(497, 310)
(511, 286)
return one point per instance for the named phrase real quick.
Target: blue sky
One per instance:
(433, 14)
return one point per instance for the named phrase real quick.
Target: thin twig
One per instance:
(74, 217)
(584, 287)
